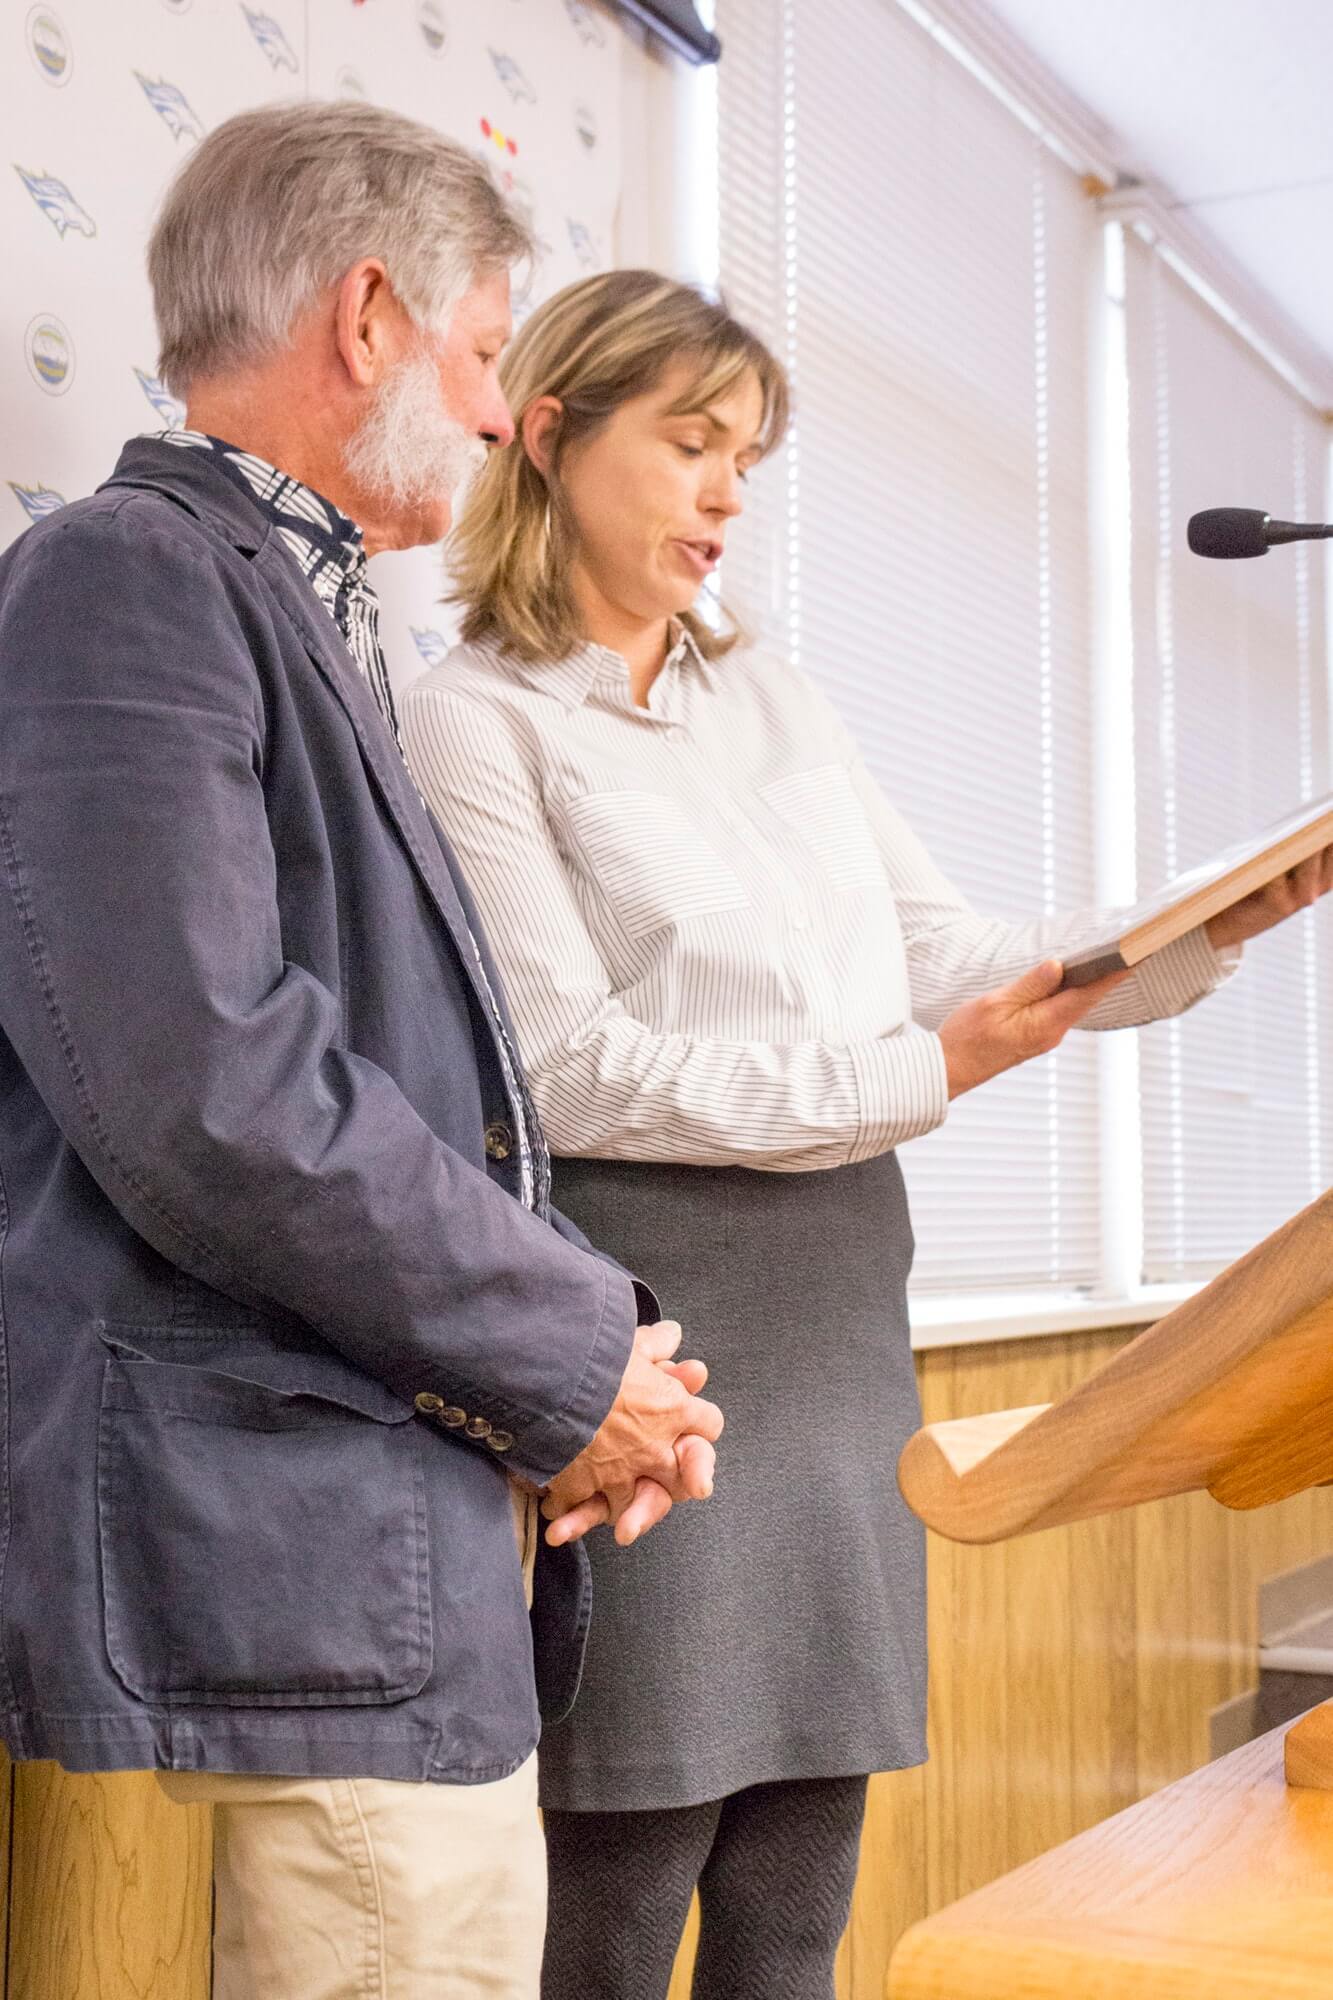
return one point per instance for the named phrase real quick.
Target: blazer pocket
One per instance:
(261, 1547)
(653, 867)
(822, 807)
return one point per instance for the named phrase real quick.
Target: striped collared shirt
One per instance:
(325, 543)
(721, 944)
(331, 553)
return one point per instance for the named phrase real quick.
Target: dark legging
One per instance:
(774, 1866)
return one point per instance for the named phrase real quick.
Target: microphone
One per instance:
(1247, 531)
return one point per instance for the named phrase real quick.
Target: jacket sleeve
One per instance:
(194, 1071)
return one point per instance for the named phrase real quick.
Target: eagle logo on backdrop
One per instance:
(349, 84)
(57, 203)
(268, 33)
(431, 645)
(434, 33)
(171, 106)
(590, 29)
(48, 45)
(50, 353)
(512, 77)
(168, 408)
(581, 243)
(36, 501)
(585, 124)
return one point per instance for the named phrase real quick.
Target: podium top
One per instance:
(1217, 1887)
(1233, 1391)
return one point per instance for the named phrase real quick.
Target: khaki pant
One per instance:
(374, 1889)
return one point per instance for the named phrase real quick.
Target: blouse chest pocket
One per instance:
(654, 868)
(822, 807)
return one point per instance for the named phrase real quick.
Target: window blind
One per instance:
(922, 264)
(1232, 730)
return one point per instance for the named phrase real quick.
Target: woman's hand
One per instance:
(1296, 890)
(983, 1037)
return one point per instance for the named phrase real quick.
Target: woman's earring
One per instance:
(546, 536)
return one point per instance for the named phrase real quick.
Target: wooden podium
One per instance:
(1221, 1885)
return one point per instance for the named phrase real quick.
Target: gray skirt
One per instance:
(777, 1630)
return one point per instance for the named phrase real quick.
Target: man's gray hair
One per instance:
(276, 204)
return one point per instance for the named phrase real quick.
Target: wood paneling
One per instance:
(1072, 1672)
(111, 1890)
(6, 1812)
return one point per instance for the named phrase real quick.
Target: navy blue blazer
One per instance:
(247, 1218)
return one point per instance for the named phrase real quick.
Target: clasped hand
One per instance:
(654, 1447)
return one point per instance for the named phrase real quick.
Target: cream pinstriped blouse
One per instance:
(720, 942)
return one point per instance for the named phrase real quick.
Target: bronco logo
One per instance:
(271, 40)
(171, 412)
(171, 107)
(55, 201)
(50, 353)
(590, 29)
(434, 33)
(581, 243)
(512, 77)
(36, 501)
(431, 645)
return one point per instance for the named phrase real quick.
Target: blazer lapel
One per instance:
(380, 753)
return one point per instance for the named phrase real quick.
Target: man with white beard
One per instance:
(292, 1337)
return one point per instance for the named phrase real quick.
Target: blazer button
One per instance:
(499, 1440)
(498, 1141)
(428, 1404)
(453, 1416)
(477, 1427)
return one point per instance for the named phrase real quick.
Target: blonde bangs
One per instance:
(719, 375)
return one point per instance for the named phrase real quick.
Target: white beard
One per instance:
(406, 451)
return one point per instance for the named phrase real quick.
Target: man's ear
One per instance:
(540, 429)
(366, 313)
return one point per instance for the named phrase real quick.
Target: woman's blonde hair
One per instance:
(595, 345)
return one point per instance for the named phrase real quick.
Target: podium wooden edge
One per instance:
(1307, 1751)
(983, 1479)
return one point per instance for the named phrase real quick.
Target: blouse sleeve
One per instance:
(954, 955)
(606, 1085)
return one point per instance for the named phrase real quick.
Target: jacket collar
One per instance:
(196, 484)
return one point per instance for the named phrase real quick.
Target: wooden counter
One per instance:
(1218, 1888)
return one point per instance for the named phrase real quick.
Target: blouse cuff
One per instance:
(903, 1090)
(1185, 971)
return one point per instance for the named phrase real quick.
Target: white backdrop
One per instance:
(100, 100)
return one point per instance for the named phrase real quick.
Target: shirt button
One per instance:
(428, 1404)
(453, 1416)
(477, 1427)
(499, 1440)
(498, 1141)
(800, 917)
